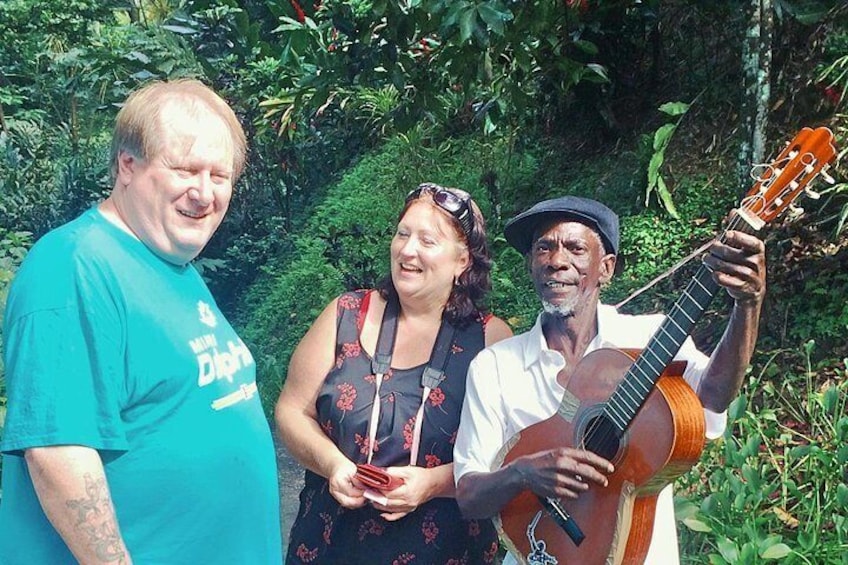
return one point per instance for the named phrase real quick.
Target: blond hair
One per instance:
(138, 125)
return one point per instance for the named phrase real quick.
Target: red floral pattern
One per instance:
(489, 556)
(305, 554)
(372, 527)
(328, 526)
(346, 398)
(351, 350)
(364, 444)
(348, 350)
(432, 461)
(408, 432)
(429, 528)
(349, 301)
(437, 396)
(473, 528)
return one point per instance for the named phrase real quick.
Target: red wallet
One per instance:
(376, 477)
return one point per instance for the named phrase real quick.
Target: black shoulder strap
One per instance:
(382, 360)
(433, 377)
(386, 342)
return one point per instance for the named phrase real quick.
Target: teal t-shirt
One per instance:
(108, 346)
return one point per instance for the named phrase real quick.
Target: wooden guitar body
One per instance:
(664, 441)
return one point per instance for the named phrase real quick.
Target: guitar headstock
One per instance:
(782, 181)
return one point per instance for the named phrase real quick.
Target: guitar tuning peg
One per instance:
(812, 193)
(827, 178)
(795, 211)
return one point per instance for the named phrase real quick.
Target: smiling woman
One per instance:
(379, 378)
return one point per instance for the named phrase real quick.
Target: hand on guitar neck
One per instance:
(738, 265)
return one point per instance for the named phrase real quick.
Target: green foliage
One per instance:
(13, 247)
(774, 487)
(495, 55)
(816, 314)
(662, 137)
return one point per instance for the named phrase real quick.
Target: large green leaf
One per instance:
(674, 108)
(696, 525)
(654, 171)
(729, 550)
(467, 24)
(665, 197)
(663, 135)
(776, 551)
(493, 17)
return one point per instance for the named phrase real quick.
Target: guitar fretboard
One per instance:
(639, 381)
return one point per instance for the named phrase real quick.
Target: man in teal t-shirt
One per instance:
(134, 431)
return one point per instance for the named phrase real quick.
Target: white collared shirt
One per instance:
(513, 385)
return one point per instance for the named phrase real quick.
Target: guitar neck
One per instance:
(639, 381)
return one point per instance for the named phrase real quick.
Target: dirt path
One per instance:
(290, 475)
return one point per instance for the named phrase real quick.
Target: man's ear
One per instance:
(607, 268)
(126, 167)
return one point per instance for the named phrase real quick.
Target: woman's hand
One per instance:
(343, 487)
(419, 486)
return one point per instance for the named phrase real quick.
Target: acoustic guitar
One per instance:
(634, 409)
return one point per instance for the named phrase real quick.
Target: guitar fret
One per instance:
(671, 320)
(634, 402)
(657, 357)
(646, 388)
(665, 350)
(685, 314)
(697, 282)
(616, 415)
(675, 341)
(645, 375)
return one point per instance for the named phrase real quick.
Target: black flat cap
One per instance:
(519, 230)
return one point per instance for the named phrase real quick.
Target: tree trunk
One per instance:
(134, 11)
(756, 71)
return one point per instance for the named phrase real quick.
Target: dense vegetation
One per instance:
(348, 105)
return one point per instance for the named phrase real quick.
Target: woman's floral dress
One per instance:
(435, 533)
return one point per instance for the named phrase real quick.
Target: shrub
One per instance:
(774, 487)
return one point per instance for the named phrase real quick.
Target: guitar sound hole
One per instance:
(600, 436)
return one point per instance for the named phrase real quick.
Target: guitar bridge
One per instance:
(555, 510)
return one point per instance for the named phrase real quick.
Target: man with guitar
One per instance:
(571, 246)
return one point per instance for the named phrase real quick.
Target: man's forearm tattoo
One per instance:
(96, 518)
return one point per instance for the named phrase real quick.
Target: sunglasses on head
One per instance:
(455, 202)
